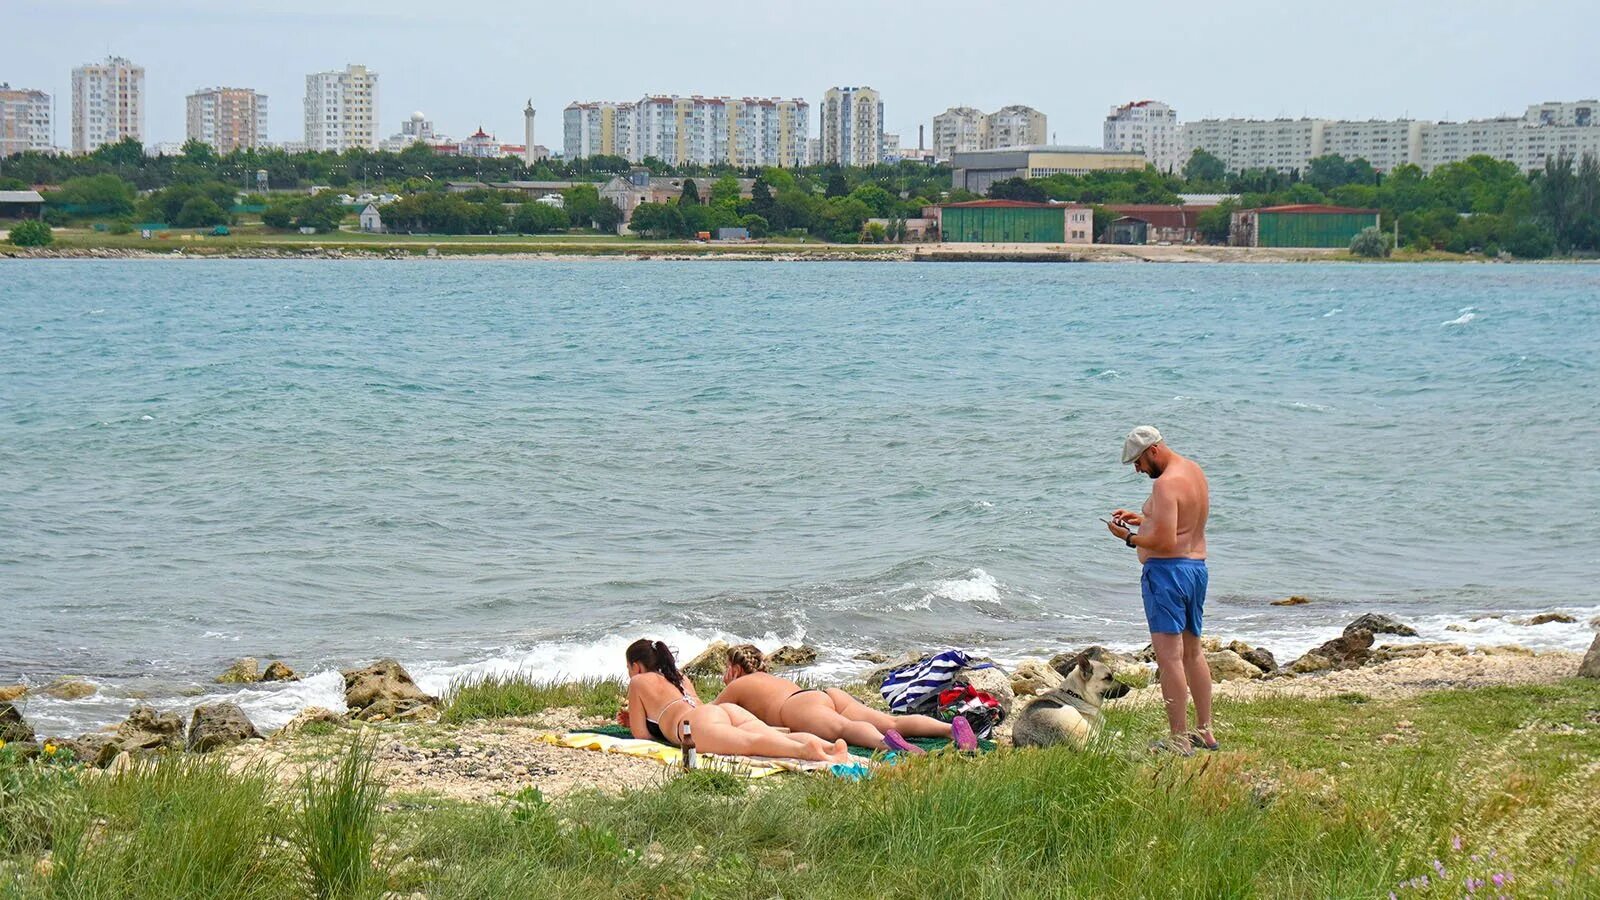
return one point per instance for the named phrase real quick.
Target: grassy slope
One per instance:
(1347, 797)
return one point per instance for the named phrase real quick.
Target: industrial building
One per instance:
(977, 170)
(1153, 223)
(1016, 222)
(1299, 225)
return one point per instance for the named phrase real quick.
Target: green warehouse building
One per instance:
(1299, 225)
(1016, 222)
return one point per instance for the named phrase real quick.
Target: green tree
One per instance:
(1017, 189)
(199, 153)
(582, 203)
(725, 190)
(1530, 240)
(1370, 242)
(199, 211)
(1215, 223)
(104, 194)
(756, 225)
(490, 216)
(882, 203)
(323, 212)
(1556, 191)
(31, 233)
(127, 152)
(1204, 166)
(280, 213)
(841, 219)
(537, 218)
(837, 186)
(607, 216)
(656, 220)
(691, 193)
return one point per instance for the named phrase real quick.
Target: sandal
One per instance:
(895, 742)
(1198, 739)
(961, 734)
(1171, 745)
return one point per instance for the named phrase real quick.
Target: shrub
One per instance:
(1371, 243)
(520, 694)
(32, 233)
(1530, 241)
(339, 823)
(121, 226)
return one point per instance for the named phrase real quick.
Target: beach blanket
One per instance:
(667, 755)
(617, 731)
(915, 688)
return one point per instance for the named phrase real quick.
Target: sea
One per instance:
(490, 466)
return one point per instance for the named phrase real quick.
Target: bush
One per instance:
(198, 212)
(1530, 241)
(121, 226)
(1371, 243)
(339, 823)
(32, 233)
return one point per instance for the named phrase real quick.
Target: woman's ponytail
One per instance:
(655, 657)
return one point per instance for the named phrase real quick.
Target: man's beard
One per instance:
(1153, 470)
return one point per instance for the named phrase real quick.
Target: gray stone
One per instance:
(146, 728)
(70, 688)
(785, 657)
(385, 682)
(1591, 661)
(1378, 623)
(277, 671)
(1063, 662)
(96, 748)
(1227, 665)
(218, 725)
(244, 671)
(1347, 651)
(710, 662)
(314, 715)
(12, 725)
(1544, 618)
(1034, 676)
(874, 679)
(991, 681)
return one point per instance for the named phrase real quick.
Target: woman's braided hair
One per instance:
(747, 657)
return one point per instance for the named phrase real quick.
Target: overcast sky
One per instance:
(472, 63)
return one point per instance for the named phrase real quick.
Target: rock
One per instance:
(1380, 624)
(872, 657)
(23, 750)
(1226, 665)
(1595, 623)
(1416, 651)
(1034, 676)
(12, 692)
(388, 709)
(991, 681)
(68, 689)
(121, 762)
(1506, 650)
(1210, 644)
(217, 725)
(1544, 618)
(384, 681)
(96, 748)
(277, 671)
(1456, 626)
(1590, 668)
(148, 729)
(1062, 662)
(1146, 655)
(711, 660)
(314, 715)
(1296, 600)
(12, 725)
(784, 657)
(1347, 651)
(1261, 658)
(244, 671)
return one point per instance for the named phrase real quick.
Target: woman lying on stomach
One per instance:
(661, 700)
(830, 714)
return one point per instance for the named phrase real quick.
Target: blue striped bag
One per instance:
(915, 688)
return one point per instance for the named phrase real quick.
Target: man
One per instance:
(1171, 542)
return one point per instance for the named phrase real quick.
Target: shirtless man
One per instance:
(1171, 542)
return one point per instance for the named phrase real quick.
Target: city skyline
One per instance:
(1365, 65)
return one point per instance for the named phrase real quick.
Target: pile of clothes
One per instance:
(928, 687)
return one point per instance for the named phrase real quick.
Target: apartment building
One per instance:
(1149, 127)
(852, 126)
(749, 131)
(27, 121)
(963, 129)
(958, 129)
(341, 109)
(107, 103)
(227, 118)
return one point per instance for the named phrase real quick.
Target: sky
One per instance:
(477, 63)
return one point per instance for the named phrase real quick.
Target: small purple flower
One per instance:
(1423, 880)
(1476, 858)
(1438, 867)
(1455, 843)
(1392, 896)
(1499, 879)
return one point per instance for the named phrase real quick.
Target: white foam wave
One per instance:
(1333, 312)
(977, 586)
(1463, 319)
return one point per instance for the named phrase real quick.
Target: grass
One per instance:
(517, 694)
(1351, 796)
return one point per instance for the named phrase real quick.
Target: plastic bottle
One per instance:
(687, 744)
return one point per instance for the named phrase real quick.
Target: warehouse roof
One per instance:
(1008, 204)
(20, 197)
(1318, 208)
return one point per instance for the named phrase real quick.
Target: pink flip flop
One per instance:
(894, 741)
(961, 734)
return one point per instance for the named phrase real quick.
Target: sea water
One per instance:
(502, 465)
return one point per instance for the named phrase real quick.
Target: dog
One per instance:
(1069, 713)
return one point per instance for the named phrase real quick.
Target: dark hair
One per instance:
(655, 657)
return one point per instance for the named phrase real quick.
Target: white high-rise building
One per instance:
(958, 129)
(342, 109)
(107, 103)
(227, 118)
(1014, 126)
(691, 130)
(27, 121)
(1149, 127)
(852, 126)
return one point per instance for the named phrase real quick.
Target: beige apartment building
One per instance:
(27, 121)
(748, 131)
(963, 129)
(107, 103)
(1149, 127)
(341, 109)
(852, 127)
(227, 118)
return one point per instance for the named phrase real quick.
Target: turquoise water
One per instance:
(474, 463)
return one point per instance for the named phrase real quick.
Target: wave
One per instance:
(1462, 319)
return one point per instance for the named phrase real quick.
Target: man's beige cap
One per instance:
(1139, 440)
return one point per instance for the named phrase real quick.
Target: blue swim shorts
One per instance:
(1174, 594)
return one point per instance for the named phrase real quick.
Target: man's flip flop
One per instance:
(894, 741)
(961, 734)
(1168, 745)
(1196, 739)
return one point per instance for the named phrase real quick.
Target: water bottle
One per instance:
(687, 744)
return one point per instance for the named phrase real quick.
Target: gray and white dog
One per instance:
(1069, 713)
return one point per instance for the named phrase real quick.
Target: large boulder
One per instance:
(314, 716)
(146, 728)
(383, 689)
(1296, 600)
(12, 726)
(1260, 657)
(1034, 676)
(1377, 623)
(1063, 662)
(278, 671)
(69, 688)
(1227, 665)
(218, 725)
(1545, 618)
(1590, 668)
(1421, 650)
(786, 657)
(1347, 651)
(992, 681)
(711, 660)
(86, 748)
(243, 671)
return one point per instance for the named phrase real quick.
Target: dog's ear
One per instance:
(1085, 666)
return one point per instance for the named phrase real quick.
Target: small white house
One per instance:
(370, 220)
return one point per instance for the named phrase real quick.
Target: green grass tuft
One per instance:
(339, 824)
(521, 694)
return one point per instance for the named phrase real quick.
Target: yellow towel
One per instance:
(749, 767)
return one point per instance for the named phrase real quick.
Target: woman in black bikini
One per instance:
(661, 700)
(830, 714)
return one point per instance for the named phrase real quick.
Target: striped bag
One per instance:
(915, 688)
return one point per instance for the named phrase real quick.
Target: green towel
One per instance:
(924, 743)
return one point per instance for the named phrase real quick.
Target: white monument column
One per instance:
(527, 134)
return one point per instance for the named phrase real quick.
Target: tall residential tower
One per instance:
(342, 109)
(852, 126)
(27, 121)
(227, 118)
(1149, 127)
(107, 103)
